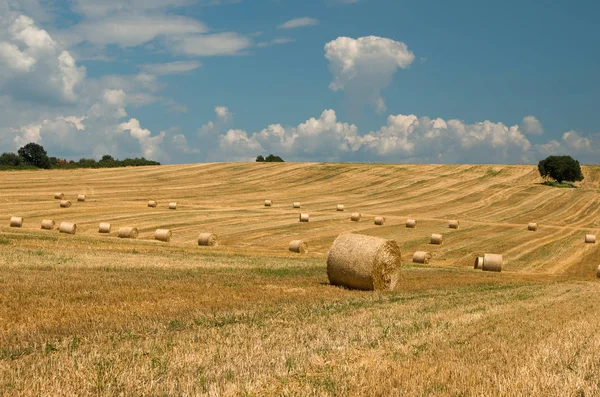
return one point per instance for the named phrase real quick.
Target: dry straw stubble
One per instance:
(163, 235)
(104, 227)
(298, 246)
(364, 262)
(48, 224)
(208, 240)
(128, 232)
(16, 221)
(67, 227)
(421, 257)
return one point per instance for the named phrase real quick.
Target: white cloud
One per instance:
(298, 23)
(13, 58)
(227, 43)
(532, 126)
(96, 8)
(276, 41)
(160, 69)
(363, 67)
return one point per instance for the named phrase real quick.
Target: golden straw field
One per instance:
(94, 314)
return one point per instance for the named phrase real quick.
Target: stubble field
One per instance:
(93, 314)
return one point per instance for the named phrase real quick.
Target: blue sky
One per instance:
(183, 81)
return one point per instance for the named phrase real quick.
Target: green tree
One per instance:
(107, 157)
(260, 159)
(560, 168)
(34, 154)
(273, 159)
(10, 159)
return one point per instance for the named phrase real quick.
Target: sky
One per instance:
(381, 81)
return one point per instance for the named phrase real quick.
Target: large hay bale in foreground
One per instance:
(364, 262)
(598, 271)
(67, 227)
(65, 204)
(532, 227)
(128, 232)
(59, 196)
(355, 217)
(163, 235)
(172, 205)
(411, 223)
(590, 238)
(303, 218)
(104, 227)
(379, 220)
(339, 207)
(436, 239)
(421, 257)
(492, 263)
(81, 197)
(48, 224)
(298, 246)
(453, 224)
(268, 203)
(152, 204)
(296, 205)
(16, 221)
(208, 239)
(478, 262)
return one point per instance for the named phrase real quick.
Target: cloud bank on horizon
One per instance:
(47, 96)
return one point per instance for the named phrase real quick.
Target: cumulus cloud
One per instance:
(298, 23)
(531, 126)
(363, 67)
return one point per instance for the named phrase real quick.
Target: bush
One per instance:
(269, 159)
(560, 168)
(10, 159)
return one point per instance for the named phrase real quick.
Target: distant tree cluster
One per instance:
(269, 159)
(560, 168)
(33, 155)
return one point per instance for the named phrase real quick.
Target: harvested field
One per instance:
(94, 314)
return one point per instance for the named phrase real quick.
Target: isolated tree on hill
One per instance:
(34, 154)
(273, 159)
(560, 168)
(260, 159)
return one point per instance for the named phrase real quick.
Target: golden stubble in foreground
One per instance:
(95, 315)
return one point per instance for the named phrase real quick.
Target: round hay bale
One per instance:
(65, 204)
(590, 238)
(298, 246)
(303, 218)
(339, 207)
(152, 203)
(492, 263)
(59, 196)
(268, 203)
(478, 262)
(128, 232)
(355, 217)
(163, 235)
(104, 227)
(453, 224)
(208, 239)
(532, 227)
(16, 221)
(379, 220)
(421, 257)
(436, 239)
(364, 262)
(296, 205)
(598, 271)
(67, 227)
(48, 224)
(172, 205)
(411, 223)
(81, 197)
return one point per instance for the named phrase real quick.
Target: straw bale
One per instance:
(364, 262)
(532, 227)
(303, 218)
(436, 239)
(172, 205)
(48, 224)
(478, 262)
(411, 223)
(65, 204)
(268, 203)
(152, 203)
(16, 221)
(492, 263)
(296, 205)
(104, 227)
(453, 224)
(421, 257)
(128, 232)
(590, 238)
(340, 207)
(298, 246)
(59, 196)
(379, 220)
(598, 271)
(208, 239)
(81, 197)
(163, 235)
(355, 217)
(67, 227)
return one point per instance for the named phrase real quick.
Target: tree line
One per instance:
(34, 156)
